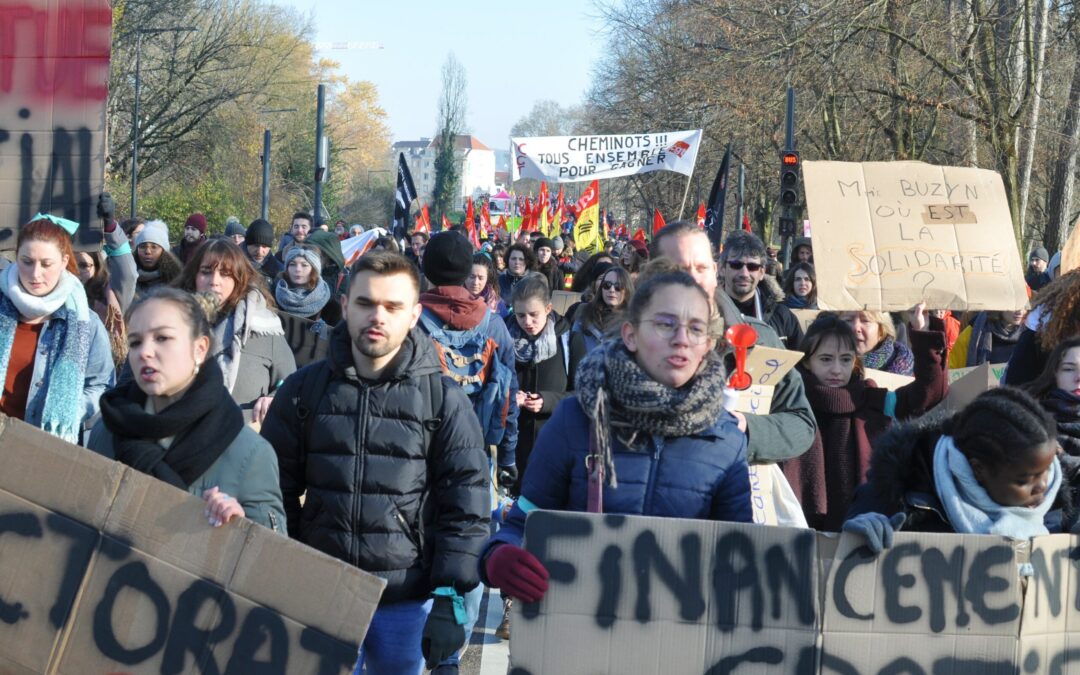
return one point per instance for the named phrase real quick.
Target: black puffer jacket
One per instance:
(377, 497)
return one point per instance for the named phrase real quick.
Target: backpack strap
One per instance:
(594, 467)
(431, 389)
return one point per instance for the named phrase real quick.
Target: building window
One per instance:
(425, 175)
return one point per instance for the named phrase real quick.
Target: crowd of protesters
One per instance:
(379, 412)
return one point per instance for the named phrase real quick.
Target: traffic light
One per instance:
(789, 178)
(787, 227)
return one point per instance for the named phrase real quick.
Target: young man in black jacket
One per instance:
(394, 466)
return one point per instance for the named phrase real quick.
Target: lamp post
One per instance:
(139, 32)
(264, 213)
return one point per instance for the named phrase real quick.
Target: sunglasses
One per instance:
(738, 265)
(611, 285)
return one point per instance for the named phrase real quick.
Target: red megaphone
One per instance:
(741, 337)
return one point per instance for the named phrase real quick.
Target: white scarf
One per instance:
(251, 317)
(35, 307)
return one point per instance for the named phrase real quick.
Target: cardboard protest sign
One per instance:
(768, 365)
(54, 73)
(964, 390)
(805, 317)
(572, 159)
(891, 381)
(630, 594)
(1070, 252)
(104, 569)
(997, 371)
(754, 400)
(562, 300)
(651, 595)
(888, 235)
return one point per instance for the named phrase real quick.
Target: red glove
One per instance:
(517, 572)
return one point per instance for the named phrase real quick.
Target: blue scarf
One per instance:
(971, 510)
(68, 349)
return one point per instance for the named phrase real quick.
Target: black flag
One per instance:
(714, 213)
(403, 198)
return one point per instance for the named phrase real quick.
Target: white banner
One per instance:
(573, 159)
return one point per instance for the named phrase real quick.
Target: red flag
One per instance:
(445, 223)
(640, 234)
(701, 215)
(485, 221)
(529, 219)
(501, 225)
(470, 223)
(423, 223)
(657, 221)
(746, 222)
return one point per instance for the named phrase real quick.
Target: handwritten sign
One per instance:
(631, 595)
(754, 400)
(975, 381)
(806, 317)
(891, 381)
(997, 371)
(569, 159)
(768, 365)
(54, 73)
(897, 233)
(104, 569)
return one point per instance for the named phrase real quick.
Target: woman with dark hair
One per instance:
(1054, 317)
(649, 405)
(800, 287)
(155, 265)
(596, 318)
(303, 297)
(520, 260)
(852, 411)
(248, 336)
(481, 283)
(94, 275)
(176, 421)
(584, 276)
(1057, 389)
(992, 468)
(54, 351)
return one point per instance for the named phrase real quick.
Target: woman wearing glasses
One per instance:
(600, 315)
(649, 410)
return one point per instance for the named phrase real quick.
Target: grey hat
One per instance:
(1040, 253)
(558, 242)
(154, 232)
(234, 228)
(311, 255)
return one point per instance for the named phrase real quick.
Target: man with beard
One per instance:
(393, 464)
(258, 240)
(742, 269)
(194, 237)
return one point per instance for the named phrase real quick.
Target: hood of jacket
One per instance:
(902, 452)
(455, 306)
(417, 356)
(329, 244)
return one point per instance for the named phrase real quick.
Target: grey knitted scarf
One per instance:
(618, 397)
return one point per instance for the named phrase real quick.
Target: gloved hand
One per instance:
(507, 475)
(106, 207)
(517, 572)
(443, 633)
(876, 528)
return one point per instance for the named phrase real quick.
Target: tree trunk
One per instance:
(1059, 207)
(1028, 156)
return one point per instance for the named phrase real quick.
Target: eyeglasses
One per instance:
(666, 327)
(738, 265)
(611, 285)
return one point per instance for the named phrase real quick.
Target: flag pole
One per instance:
(684, 194)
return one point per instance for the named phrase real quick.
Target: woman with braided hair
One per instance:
(649, 408)
(992, 468)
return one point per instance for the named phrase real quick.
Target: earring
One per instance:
(196, 368)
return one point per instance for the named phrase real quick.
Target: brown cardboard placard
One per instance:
(967, 388)
(562, 300)
(890, 381)
(997, 371)
(110, 570)
(1070, 252)
(630, 594)
(768, 365)
(754, 400)
(54, 74)
(806, 317)
(898, 233)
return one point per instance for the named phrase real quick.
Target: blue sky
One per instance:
(514, 53)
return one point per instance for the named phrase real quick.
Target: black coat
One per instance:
(1027, 361)
(270, 269)
(547, 378)
(377, 496)
(901, 478)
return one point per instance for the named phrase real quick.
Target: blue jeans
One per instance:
(392, 645)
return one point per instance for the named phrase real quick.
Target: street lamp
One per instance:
(264, 213)
(138, 88)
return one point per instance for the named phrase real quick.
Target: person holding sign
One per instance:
(55, 356)
(852, 411)
(177, 422)
(648, 414)
(990, 469)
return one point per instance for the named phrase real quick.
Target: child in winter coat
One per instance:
(992, 468)
(541, 354)
(852, 411)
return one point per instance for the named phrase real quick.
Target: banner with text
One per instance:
(655, 595)
(573, 159)
(888, 235)
(54, 75)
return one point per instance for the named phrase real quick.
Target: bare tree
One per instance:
(453, 102)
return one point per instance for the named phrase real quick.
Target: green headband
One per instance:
(69, 226)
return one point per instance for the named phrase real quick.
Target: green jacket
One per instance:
(788, 430)
(247, 470)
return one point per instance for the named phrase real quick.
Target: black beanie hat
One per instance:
(259, 233)
(542, 242)
(448, 259)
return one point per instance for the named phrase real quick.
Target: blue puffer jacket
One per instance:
(703, 476)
